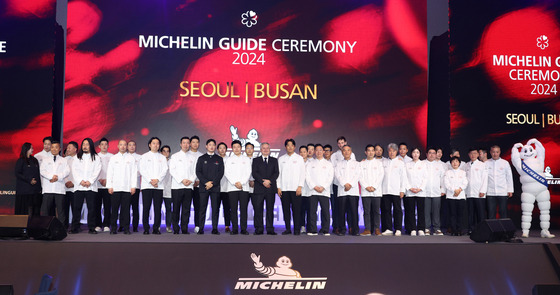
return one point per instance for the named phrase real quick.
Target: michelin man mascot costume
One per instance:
(529, 163)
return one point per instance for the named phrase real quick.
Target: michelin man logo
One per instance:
(282, 270)
(249, 18)
(548, 172)
(252, 137)
(529, 163)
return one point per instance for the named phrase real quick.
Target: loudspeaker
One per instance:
(13, 226)
(46, 228)
(546, 289)
(494, 230)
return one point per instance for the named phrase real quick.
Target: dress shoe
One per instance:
(74, 231)
(146, 232)
(297, 233)
(258, 233)
(121, 229)
(272, 233)
(135, 229)
(156, 232)
(127, 232)
(340, 234)
(200, 232)
(244, 232)
(113, 232)
(286, 232)
(366, 233)
(175, 232)
(215, 232)
(186, 232)
(233, 232)
(92, 232)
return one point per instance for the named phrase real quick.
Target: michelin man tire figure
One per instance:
(529, 163)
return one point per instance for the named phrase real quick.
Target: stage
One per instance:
(222, 264)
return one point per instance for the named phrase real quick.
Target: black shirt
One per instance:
(210, 168)
(26, 170)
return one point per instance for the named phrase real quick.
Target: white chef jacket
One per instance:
(87, 170)
(477, 175)
(237, 169)
(319, 173)
(372, 174)
(137, 158)
(292, 172)
(50, 168)
(348, 171)
(182, 166)
(104, 164)
(435, 171)
(337, 157)
(223, 181)
(70, 177)
(406, 158)
(153, 165)
(395, 179)
(455, 179)
(122, 172)
(417, 178)
(500, 179)
(41, 155)
(306, 190)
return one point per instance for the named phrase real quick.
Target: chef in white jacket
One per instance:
(477, 175)
(237, 171)
(394, 187)
(319, 177)
(347, 173)
(371, 181)
(153, 168)
(456, 182)
(86, 168)
(434, 191)
(290, 186)
(415, 196)
(182, 169)
(54, 169)
(121, 184)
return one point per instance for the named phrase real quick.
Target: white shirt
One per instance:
(319, 173)
(406, 158)
(153, 165)
(237, 169)
(417, 178)
(182, 166)
(434, 178)
(292, 172)
(348, 171)
(395, 180)
(372, 174)
(455, 179)
(122, 172)
(167, 183)
(337, 157)
(50, 168)
(477, 175)
(196, 155)
(86, 170)
(137, 158)
(70, 177)
(306, 190)
(41, 155)
(104, 164)
(500, 179)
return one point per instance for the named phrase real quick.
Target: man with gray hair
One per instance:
(265, 172)
(394, 186)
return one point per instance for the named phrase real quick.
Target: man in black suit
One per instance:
(265, 172)
(209, 170)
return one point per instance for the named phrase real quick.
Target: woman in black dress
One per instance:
(28, 184)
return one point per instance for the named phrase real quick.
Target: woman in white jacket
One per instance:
(456, 182)
(415, 195)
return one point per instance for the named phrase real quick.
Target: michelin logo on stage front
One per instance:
(279, 277)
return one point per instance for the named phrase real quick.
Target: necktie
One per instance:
(266, 161)
(54, 159)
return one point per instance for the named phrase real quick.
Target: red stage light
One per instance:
(30, 8)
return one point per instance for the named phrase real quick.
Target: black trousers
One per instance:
(413, 205)
(497, 201)
(314, 201)
(103, 199)
(196, 206)
(51, 201)
(291, 204)
(120, 200)
(214, 203)
(456, 209)
(79, 197)
(476, 210)
(305, 211)
(181, 207)
(393, 201)
(149, 195)
(67, 207)
(28, 204)
(135, 204)
(348, 204)
(240, 198)
(334, 206)
(258, 200)
(372, 216)
(167, 202)
(224, 199)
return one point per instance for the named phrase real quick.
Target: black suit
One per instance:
(260, 171)
(209, 168)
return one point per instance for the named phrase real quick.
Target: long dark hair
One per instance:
(24, 149)
(92, 151)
